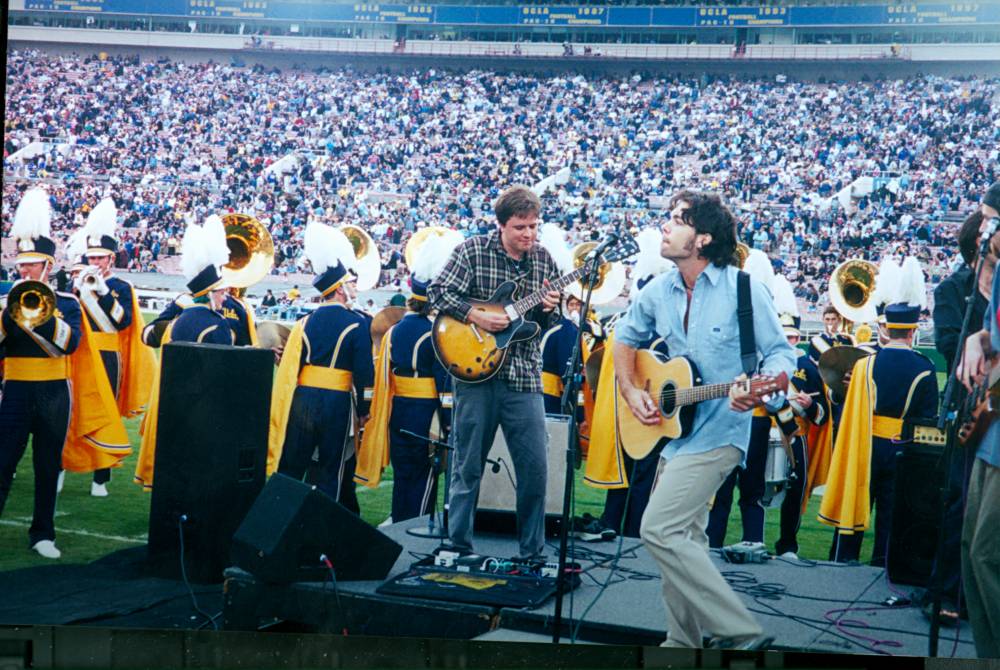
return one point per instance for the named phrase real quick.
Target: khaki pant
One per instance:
(697, 598)
(981, 558)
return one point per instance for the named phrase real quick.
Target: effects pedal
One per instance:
(745, 552)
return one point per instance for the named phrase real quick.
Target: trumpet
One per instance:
(31, 304)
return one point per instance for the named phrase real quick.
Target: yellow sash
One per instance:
(846, 504)
(96, 438)
(46, 369)
(887, 427)
(105, 341)
(147, 429)
(552, 384)
(605, 467)
(374, 453)
(329, 379)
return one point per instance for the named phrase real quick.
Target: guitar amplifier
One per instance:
(497, 489)
(923, 431)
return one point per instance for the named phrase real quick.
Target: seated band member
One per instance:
(410, 384)
(512, 398)
(325, 368)
(895, 384)
(203, 253)
(694, 308)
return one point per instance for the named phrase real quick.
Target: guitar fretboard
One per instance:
(530, 301)
(696, 394)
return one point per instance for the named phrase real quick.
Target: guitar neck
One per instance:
(529, 302)
(696, 394)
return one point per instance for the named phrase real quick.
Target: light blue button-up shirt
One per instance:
(989, 446)
(712, 343)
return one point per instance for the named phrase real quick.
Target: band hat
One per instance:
(32, 228)
(331, 255)
(203, 253)
(992, 197)
(330, 280)
(902, 315)
(102, 222)
(791, 324)
(786, 305)
(910, 299)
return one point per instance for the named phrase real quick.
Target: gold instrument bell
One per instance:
(383, 321)
(419, 238)
(834, 364)
(610, 277)
(741, 254)
(251, 251)
(31, 303)
(852, 285)
(367, 262)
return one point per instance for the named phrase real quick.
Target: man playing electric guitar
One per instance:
(694, 308)
(511, 398)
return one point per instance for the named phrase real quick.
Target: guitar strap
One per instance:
(744, 315)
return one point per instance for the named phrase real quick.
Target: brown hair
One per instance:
(968, 237)
(422, 307)
(707, 214)
(516, 201)
(830, 309)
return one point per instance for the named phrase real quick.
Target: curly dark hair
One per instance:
(968, 237)
(707, 214)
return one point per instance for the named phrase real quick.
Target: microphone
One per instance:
(494, 465)
(609, 241)
(990, 229)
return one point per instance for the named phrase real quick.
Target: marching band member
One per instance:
(831, 335)
(325, 367)
(409, 384)
(49, 365)
(203, 252)
(112, 312)
(895, 384)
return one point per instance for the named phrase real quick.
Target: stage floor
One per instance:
(806, 606)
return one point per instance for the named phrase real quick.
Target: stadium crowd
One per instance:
(392, 152)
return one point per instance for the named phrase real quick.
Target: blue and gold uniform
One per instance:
(557, 347)
(897, 383)
(409, 385)
(325, 368)
(821, 343)
(36, 401)
(238, 318)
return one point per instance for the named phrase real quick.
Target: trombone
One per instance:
(31, 303)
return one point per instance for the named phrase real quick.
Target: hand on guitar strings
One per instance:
(641, 405)
(551, 299)
(971, 369)
(491, 322)
(740, 399)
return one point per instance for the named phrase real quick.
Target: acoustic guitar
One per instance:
(676, 387)
(471, 354)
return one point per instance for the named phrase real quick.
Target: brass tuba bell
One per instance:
(741, 254)
(610, 277)
(852, 284)
(367, 262)
(251, 251)
(31, 303)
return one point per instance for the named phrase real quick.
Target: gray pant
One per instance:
(981, 558)
(479, 409)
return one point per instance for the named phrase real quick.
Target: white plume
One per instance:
(203, 246)
(784, 296)
(33, 217)
(553, 239)
(912, 289)
(102, 220)
(76, 245)
(888, 282)
(324, 246)
(648, 261)
(758, 266)
(434, 255)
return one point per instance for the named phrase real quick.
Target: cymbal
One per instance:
(272, 335)
(383, 321)
(834, 364)
(592, 370)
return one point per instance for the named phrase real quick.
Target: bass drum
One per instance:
(777, 470)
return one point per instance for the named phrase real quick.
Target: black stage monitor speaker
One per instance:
(916, 516)
(211, 453)
(291, 525)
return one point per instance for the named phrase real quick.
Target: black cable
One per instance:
(181, 520)
(336, 590)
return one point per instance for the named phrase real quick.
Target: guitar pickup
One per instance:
(511, 312)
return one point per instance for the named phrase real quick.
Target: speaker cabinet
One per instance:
(916, 518)
(291, 525)
(211, 453)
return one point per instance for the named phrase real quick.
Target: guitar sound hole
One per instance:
(668, 399)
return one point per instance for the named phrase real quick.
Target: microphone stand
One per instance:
(949, 421)
(571, 391)
(432, 532)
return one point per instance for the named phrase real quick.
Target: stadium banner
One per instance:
(973, 13)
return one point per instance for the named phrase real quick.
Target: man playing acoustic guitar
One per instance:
(511, 398)
(694, 308)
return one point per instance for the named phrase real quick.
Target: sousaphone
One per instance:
(610, 277)
(852, 285)
(251, 251)
(367, 262)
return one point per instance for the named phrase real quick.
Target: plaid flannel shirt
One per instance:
(475, 270)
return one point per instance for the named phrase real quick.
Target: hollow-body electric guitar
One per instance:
(676, 388)
(472, 354)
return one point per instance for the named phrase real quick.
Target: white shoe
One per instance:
(47, 549)
(790, 556)
(60, 481)
(98, 490)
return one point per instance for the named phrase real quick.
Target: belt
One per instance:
(760, 412)
(415, 387)
(105, 341)
(886, 427)
(552, 384)
(22, 369)
(321, 377)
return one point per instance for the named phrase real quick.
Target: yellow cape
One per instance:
(846, 502)
(819, 447)
(139, 366)
(605, 467)
(373, 456)
(147, 429)
(96, 438)
(285, 382)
